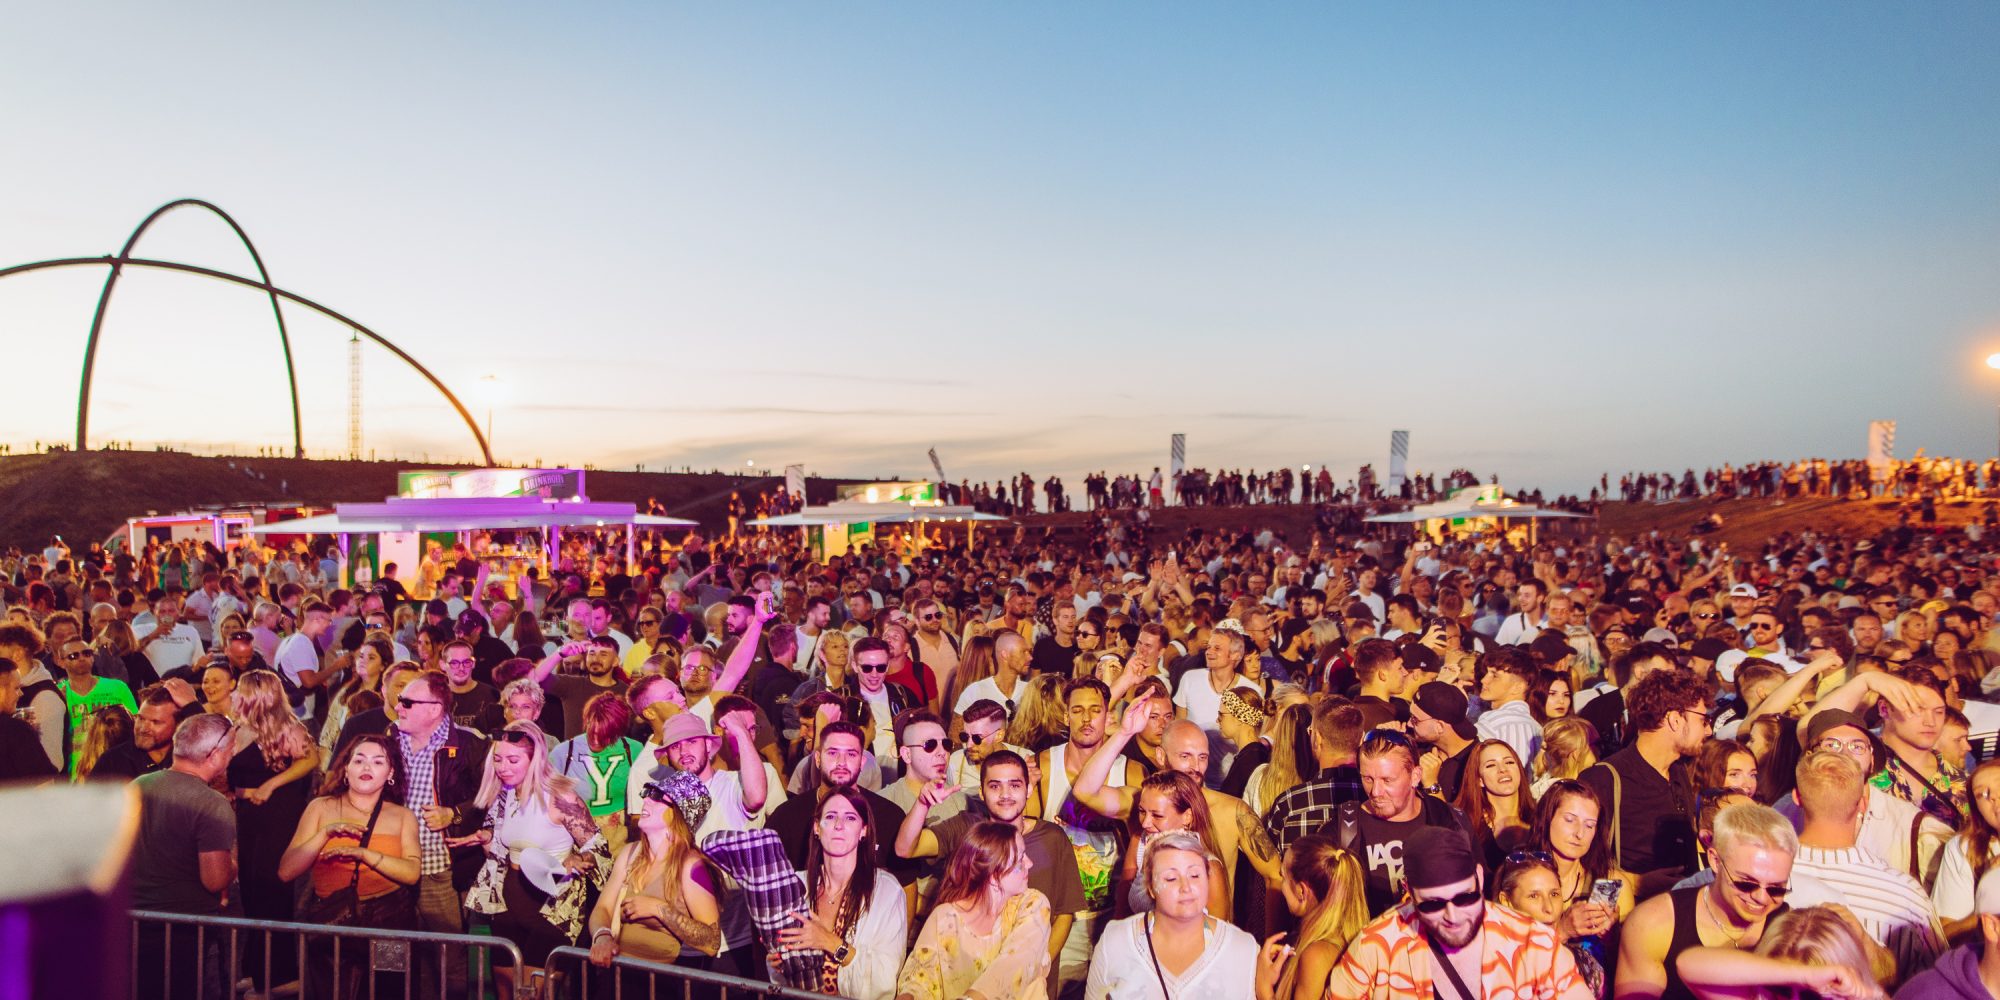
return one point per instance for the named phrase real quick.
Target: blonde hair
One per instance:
(260, 706)
(1829, 785)
(1333, 874)
(112, 726)
(539, 785)
(1566, 748)
(1754, 824)
(1816, 935)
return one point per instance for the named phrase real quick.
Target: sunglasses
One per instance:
(1462, 900)
(409, 703)
(515, 736)
(1763, 626)
(1749, 887)
(1519, 857)
(872, 668)
(972, 737)
(76, 654)
(1081, 634)
(1389, 736)
(933, 616)
(931, 745)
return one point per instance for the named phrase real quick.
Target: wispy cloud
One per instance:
(745, 411)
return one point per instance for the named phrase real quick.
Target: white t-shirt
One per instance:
(1201, 702)
(175, 649)
(885, 723)
(988, 689)
(295, 655)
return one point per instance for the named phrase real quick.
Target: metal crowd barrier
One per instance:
(682, 983)
(220, 947)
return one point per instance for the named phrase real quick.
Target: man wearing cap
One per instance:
(1742, 600)
(1970, 971)
(1886, 821)
(1892, 907)
(1437, 717)
(1447, 942)
(487, 651)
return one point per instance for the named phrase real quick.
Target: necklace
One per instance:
(1715, 917)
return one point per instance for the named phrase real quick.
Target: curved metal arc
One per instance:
(116, 262)
(104, 302)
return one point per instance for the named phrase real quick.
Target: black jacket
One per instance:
(457, 769)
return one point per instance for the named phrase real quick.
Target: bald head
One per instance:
(1186, 747)
(1009, 644)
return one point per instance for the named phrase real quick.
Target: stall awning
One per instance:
(399, 514)
(871, 513)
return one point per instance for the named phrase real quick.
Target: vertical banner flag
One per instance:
(795, 481)
(1399, 457)
(937, 466)
(1881, 448)
(1176, 459)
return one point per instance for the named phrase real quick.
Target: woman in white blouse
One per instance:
(1970, 853)
(1178, 951)
(857, 918)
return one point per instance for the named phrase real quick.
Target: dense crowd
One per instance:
(1915, 477)
(1350, 765)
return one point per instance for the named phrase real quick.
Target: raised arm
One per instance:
(1729, 972)
(547, 668)
(1849, 696)
(745, 652)
(1089, 788)
(756, 784)
(1787, 693)
(914, 838)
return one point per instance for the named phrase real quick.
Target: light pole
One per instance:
(1993, 361)
(490, 387)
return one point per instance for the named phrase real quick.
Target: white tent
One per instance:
(1472, 504)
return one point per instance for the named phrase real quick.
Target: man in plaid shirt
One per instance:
(441, 765)
(1336, 742)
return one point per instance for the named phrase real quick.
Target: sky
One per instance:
(1549, 240)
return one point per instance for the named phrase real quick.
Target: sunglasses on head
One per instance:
(518, 737)
(1386, 736)
(1462, 900)
(1519, 857)
(931, 745)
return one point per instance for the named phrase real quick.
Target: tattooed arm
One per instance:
(1256, 845)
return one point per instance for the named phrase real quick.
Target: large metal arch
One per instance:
(104, 302)
(121, 261)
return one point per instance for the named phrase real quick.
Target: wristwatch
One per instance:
(842, 954)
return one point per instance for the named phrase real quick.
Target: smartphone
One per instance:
(1605, 890)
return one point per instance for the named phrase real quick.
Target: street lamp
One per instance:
(492, 389)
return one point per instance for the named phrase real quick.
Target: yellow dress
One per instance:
(1010, 961)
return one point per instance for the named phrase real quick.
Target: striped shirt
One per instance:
(1892, 907)
(1520, 960)
(1513, 725)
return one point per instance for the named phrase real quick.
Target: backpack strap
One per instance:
(1347, 825)
(1916, 851)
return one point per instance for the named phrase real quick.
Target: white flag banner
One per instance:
(1881, 448)
(795, 480)
(1399, 458)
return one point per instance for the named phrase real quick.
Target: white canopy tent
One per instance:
(465, 514)
(1486, 503)
(845, 513)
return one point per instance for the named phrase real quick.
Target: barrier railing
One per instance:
(680, 983)
(186, 957)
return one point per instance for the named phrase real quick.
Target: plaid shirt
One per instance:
(421, 763)
(1309, 807)
(756, 859)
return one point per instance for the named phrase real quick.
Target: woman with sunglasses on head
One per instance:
(856, 918)
(543, 851)
(1527, 882)
(359, 844)
(1499, 809)
(987, 937)
(1322, 888)
(659, 903)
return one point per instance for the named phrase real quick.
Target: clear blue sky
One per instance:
(1548, 239)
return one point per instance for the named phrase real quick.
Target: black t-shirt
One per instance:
(1451, 773)
(1653, 811)
(1052, 657)
(1376, 711)
(125, 762)
(477, 709)
(21, 753)
(1380, 849)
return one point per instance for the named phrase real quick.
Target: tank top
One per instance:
(1060, 808)
(330, 875)
(1095, 839)
(1688, 935)
(640, 941)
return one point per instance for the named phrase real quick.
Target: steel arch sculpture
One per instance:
(263, 283)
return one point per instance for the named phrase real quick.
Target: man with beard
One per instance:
(601, 672)
(836, 764)
(474, 704)
(985, 734)
(1644, 787)
(1004, 790)
(1449, 943)
(1096, 839)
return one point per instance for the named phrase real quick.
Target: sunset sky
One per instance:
(1548, 239)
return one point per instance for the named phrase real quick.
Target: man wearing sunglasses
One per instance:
(442, 766)
(1447, 943)
(925, 751)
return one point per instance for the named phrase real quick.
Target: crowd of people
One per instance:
(1354, 765)
(1918, 476)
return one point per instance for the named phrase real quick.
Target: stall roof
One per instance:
(871, 513)
(1456, 508)
(468, 514)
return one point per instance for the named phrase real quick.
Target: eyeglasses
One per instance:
(409, 703)
(459, 663)
(1855, 748)
(1749, 887)
(931, 745)
(1700, 715)
(1462, 900)
(872, 668)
